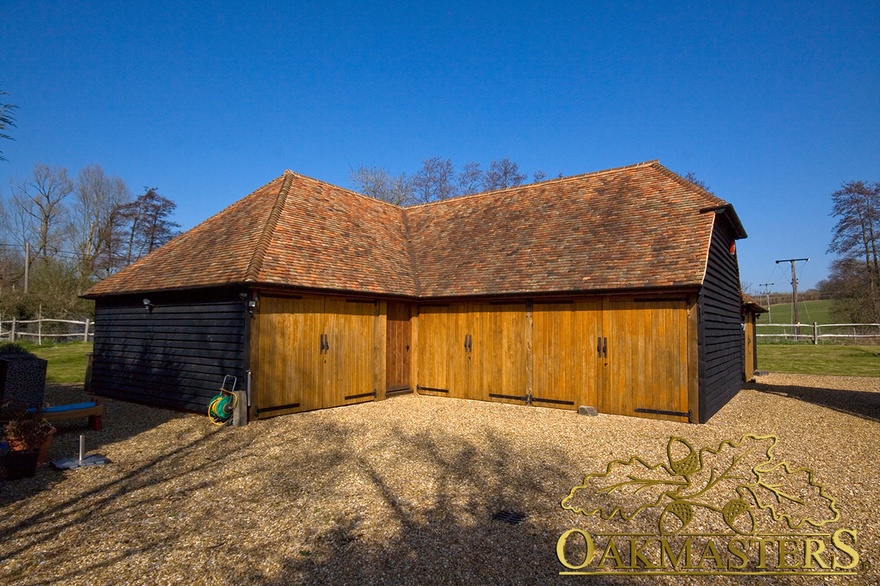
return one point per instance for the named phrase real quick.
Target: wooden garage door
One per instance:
(499, 359)
(566, 354)
(474, 351)
(646, 369)
(622, 356)
(435, 344)
(311, 353)
(398, 336)
(348, 352)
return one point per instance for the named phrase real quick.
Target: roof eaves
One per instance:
(730, 214)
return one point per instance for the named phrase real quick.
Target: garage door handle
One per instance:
(599, 346)
(604, 347)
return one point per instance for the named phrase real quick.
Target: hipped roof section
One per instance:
(640, 226)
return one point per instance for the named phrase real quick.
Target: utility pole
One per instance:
(27, 264)
(797, 319)
(766, 287)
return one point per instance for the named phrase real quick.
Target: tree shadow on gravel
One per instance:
(470, 516)
(862, 404)
(487, 519)
(108, 508)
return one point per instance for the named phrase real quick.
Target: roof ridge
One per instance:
(547, 182)
(345, 189)
(253, 270)
(411, 253)
(708, 195)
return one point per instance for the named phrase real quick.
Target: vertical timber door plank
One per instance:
(415, 348)
(588, 327)
(304, 340)
(460, 357)
(380, 349)
(435, 343)
(693, 360)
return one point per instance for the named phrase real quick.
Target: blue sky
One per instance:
(773, 104)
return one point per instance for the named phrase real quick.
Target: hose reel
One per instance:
(222, 407)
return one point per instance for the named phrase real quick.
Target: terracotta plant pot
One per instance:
(16, 446)
(44, 449)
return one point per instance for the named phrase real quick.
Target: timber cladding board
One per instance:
(174, 354)
(721, 339)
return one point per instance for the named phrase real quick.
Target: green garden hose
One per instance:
(222, 406)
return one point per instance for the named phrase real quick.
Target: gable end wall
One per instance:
(720, 329)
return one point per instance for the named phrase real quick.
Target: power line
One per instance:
(794, 284)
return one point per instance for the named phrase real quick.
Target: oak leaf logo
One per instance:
(736, 482)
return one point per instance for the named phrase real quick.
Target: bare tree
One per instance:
(503, 174)
(6, 121)
(38, 208)
(377, 182)
(437, 180)
(692, 177)
(434, 181)
(471, 179)
(97, 221)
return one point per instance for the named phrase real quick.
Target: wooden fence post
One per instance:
(12, 331)
(815, 333)
(86, 333)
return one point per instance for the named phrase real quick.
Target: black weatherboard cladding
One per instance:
(173, 353)
(721, 333)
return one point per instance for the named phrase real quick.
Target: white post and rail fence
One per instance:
(815, 333)
(67, 330)
(46, 330)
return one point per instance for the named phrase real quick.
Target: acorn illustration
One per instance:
(687, 465)
(675, 517)
(739, 517)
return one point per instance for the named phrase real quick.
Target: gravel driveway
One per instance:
(412, 490)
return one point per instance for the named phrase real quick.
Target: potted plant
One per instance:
(22, 375)
(26, 440)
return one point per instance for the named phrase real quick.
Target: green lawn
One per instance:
(828, 359)
(808, 312)
(67, 362)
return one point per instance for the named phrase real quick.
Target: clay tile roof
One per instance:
(640, 226)
(293, 231)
